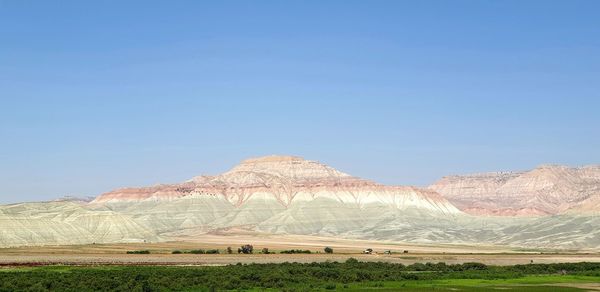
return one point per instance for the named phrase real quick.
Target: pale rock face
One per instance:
(545, 190)
(292, 167)
(67, 223)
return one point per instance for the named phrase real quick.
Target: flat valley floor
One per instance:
(161, 253)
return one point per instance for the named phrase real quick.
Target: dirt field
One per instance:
(115, 254)
(224, 259)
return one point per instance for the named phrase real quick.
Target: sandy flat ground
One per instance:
(224, 259)
(115, 254)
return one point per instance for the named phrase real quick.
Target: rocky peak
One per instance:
(272, 159)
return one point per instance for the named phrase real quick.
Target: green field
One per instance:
(348, 276)
(527, 283)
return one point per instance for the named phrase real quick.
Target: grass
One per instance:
(526, 283)
(469, 289)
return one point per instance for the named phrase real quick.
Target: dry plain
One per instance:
(115, 254)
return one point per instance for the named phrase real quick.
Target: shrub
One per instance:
(328, 250)
(265, 250)
(417, 267)
(212, 251)
(330, 286)
(138, 252)
(474, 266)
(229, 250)
(177, 252)
(197, 251)
(294, 251)
(271, 277)
(246, 249)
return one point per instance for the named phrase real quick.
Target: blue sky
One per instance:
(105, 94)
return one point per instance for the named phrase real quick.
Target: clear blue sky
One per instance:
(96, 95)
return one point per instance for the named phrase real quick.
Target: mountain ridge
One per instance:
(291, 195)
(545, 190)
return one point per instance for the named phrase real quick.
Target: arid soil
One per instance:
(115, 254)
(225, 259)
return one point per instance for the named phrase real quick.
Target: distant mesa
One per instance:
(545, 190)
(80, 199)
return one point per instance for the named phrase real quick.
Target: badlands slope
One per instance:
(290, 195)
(546, 190)
(285, 181)
(276, 194)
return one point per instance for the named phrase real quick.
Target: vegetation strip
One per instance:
(351, 274)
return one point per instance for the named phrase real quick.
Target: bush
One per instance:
(330, 286)
(138, 252)
(212, 251)
(197, 251)
(474, 266)
(268, 277)
(418, 267)
(328, 250)
(294, 251)
(229, 250)
(246, 249)
(265, 251)
(177, 252)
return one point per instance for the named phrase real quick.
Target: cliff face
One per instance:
(546, 190)
(285, 181)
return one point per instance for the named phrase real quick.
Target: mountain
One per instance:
(275, 194)
(545, 190)
(291, 195)
(282, 182)
(284, 194)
